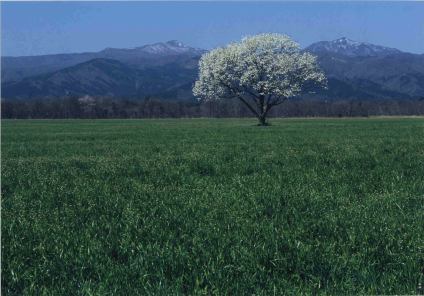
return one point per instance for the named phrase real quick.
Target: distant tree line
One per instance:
(90, 107)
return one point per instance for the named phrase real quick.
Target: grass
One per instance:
(206, 206)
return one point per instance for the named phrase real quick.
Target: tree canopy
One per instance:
(262, 71)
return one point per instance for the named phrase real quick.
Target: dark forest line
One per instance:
(88, 107)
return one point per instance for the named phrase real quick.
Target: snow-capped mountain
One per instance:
(170, 47)
(347, 47)
(17, 68)
(363, 70)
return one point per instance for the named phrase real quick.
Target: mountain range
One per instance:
(355, 70)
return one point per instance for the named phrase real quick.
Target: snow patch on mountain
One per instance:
(169, 47)
(351, 48)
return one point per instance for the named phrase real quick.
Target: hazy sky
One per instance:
(34, 28)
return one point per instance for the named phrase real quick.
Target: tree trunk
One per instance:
(263, 114)
(262, 120)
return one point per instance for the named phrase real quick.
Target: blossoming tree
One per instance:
(261, 71)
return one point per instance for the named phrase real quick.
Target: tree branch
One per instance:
(236, 93)
(278, 101)
(248, 105)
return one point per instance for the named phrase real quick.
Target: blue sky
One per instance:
(34, 28)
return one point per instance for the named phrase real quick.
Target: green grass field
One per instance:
(208, 206)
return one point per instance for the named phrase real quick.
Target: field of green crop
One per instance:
(208, 206)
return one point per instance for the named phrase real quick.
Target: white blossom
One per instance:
(262, 71)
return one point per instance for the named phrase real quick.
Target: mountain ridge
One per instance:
(348, 47)
(167, 69)
(17, 68)
(104, 77)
